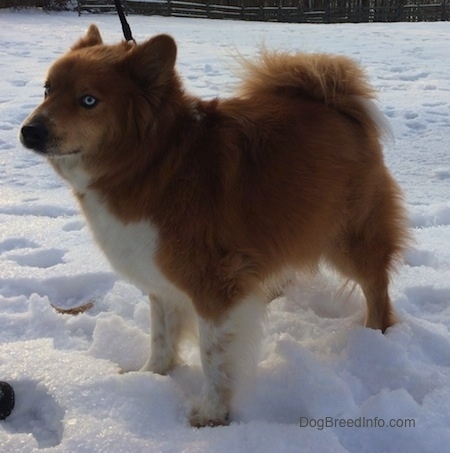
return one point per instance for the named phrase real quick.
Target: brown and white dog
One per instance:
(203, 203)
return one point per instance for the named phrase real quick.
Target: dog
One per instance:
(203, 203)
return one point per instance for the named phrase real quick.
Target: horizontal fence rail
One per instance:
(303, 11)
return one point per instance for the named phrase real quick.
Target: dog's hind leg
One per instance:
(380, 314)
(169, 321)
(359, 262)
(366, 251)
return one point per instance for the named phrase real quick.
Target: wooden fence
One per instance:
(303, 11)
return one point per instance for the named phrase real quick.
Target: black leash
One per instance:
(125, 27)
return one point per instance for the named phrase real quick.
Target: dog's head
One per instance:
(99, 97)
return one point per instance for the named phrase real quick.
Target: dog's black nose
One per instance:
(34, 136)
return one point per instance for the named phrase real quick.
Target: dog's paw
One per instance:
(159, 366)
(205, 415)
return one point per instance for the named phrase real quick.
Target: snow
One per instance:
(318, 365)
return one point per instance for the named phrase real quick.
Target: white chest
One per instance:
(130, 248)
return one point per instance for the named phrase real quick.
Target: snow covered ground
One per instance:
(318, 365)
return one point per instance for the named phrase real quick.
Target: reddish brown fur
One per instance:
(287, 173)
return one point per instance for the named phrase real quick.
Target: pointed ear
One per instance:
(91, 38)
(153, 61)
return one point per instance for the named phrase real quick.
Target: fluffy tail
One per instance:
(336, 80)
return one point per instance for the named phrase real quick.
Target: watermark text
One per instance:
(359, 422)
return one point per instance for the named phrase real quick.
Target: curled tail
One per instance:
(335, 80)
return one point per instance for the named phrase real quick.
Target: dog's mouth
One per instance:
(53, 155)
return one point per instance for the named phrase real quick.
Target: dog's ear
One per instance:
(153, 61)
(91, 38)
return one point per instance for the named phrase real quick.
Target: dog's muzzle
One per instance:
(34, 136)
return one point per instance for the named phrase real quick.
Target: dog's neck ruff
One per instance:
(70, 167)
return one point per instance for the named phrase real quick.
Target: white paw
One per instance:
(158, 366)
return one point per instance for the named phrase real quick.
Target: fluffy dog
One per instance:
(203, 203)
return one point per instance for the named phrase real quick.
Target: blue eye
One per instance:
(89, 101)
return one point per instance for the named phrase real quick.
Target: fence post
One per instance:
(443, 10)
(299, 11)
(327, 11)
(400, 10)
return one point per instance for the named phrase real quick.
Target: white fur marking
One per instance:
(130, 248)
(70, 168)
(170, 320)
(229, 351)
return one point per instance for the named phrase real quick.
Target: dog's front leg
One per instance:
(228, 348)
(214, 406)
(169, 320)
